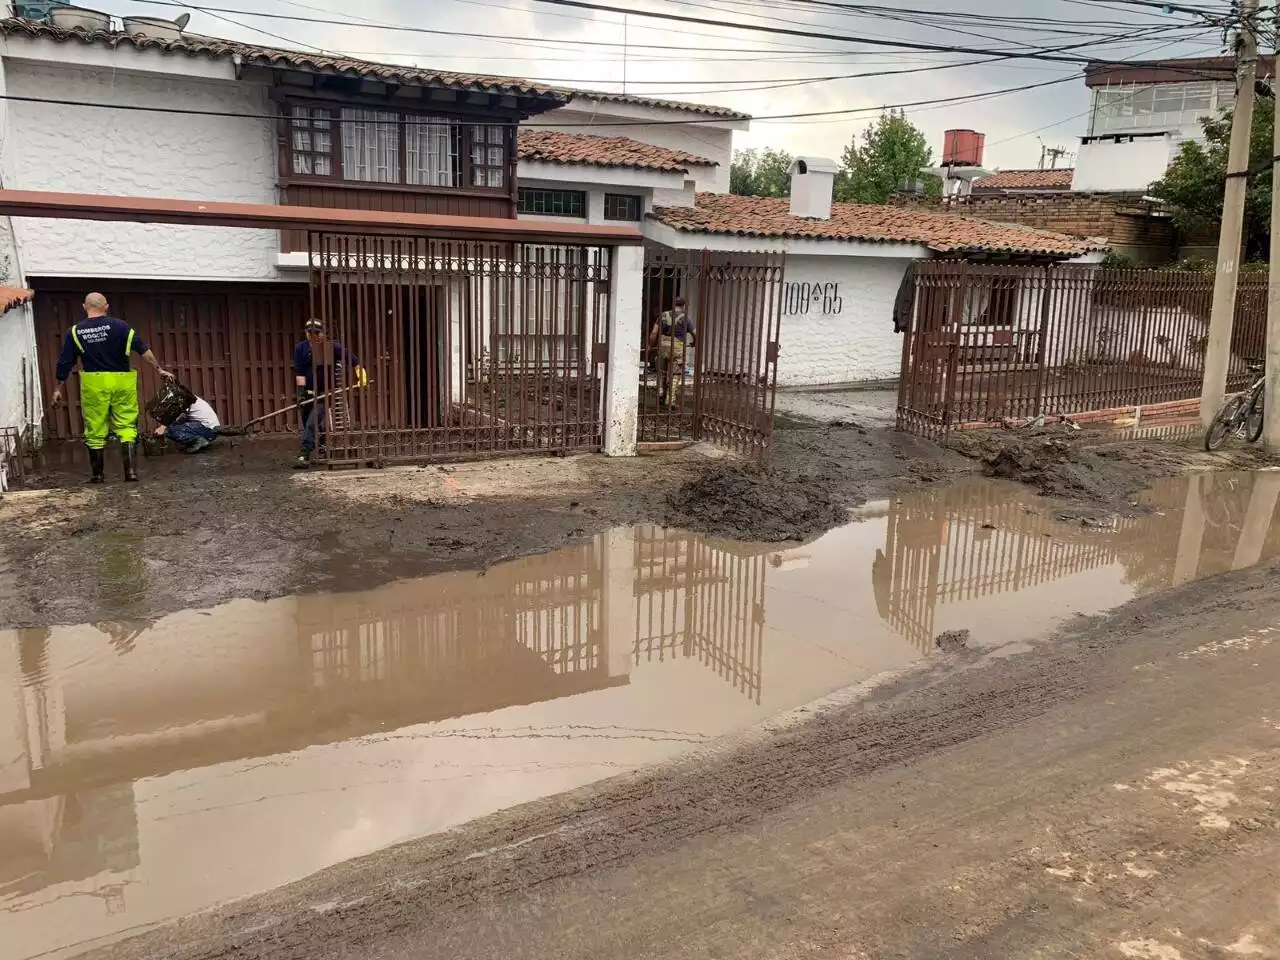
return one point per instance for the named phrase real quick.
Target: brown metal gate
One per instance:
(471, 347)
(725, 390)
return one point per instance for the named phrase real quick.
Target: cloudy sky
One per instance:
(763, 74)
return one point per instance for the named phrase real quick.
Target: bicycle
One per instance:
(1241, 414)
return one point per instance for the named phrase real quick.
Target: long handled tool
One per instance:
(243, 429)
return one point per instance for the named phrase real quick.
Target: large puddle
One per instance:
(148, 770)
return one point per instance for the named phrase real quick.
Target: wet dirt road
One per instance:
(153, 769)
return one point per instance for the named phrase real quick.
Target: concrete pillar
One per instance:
(622, 399)
(1257, 519)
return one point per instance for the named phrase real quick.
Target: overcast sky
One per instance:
(725, 66)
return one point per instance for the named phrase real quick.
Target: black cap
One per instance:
(313, 326)
(679, 302)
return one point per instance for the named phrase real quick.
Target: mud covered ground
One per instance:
(236, 522)
(1108, 792)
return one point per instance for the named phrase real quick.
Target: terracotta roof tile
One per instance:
(193, 45)
(944, 233)
(1059, 179)
(11, 297)
(554, 146)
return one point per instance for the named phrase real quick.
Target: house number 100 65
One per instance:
(805, 297)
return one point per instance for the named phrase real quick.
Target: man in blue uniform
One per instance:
(108, 382)
(320, 367)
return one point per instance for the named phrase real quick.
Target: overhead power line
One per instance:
(1051, 56)
(238, 115)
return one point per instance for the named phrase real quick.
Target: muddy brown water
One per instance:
(152, 769)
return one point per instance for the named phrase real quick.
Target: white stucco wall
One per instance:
(85, 150)
(1133, 165)
(17, 331)
(713, 139)
(844, 334)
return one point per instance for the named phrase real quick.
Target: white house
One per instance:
(845, 265)
(197, 118)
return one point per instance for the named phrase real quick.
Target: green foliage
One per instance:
(1196, 180)
(760, 173)
(893, 151)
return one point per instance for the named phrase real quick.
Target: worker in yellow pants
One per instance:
(108, 383)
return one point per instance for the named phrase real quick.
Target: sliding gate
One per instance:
(724, 389)
(469, 347)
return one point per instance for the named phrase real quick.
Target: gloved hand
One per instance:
(362, 376)
(304, 394)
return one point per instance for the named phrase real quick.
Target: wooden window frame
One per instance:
(461, 123)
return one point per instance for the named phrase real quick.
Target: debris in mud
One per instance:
(1054, 464)
(758, 504)
(952, 641)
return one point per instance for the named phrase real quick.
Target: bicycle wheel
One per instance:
(1224, 424)
(1253, 421)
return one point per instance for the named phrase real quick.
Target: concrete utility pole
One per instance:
(1271, 396)
(1217, 355)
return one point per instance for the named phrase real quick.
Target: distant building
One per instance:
(1141, 114)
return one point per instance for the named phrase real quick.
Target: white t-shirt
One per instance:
(203, 414)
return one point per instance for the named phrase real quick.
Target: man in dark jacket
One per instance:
(108, 383)
(320, 368)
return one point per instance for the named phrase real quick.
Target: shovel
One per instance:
(243, 429)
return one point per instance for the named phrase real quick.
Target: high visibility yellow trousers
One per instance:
(109, 403)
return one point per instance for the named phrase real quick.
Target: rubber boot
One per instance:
(97, 466)
(129, 454)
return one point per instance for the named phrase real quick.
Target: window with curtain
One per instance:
(430, 152)
(370, 145)
(488, 155)
(311, 130)
(374, 145)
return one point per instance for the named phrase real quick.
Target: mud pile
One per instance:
(1054, 463)
(760, 504)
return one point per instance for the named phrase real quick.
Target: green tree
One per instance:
(893, 152)
(760, 173)
(1194, 184)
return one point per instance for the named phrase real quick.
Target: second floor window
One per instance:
(370, 145)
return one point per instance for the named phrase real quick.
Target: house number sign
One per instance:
(798, 298)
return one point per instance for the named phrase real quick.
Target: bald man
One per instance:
(108, 382)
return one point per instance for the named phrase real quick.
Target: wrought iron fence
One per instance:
(990, 343)
(470, 348)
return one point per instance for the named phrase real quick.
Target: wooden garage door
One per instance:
(230, 343)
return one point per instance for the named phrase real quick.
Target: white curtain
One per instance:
(370, 145)
(429, 153)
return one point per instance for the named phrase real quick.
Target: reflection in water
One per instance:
(979, 539)
(152, 769)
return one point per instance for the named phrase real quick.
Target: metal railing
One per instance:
(992, 343)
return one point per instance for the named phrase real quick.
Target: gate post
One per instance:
(621, 397)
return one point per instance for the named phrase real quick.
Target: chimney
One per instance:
(812, 181)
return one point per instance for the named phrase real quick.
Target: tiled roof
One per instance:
(1059, 179)
(193, 45)
(601, 96)
(944, 233)
(11, 297)
(215, 49)
(554, 146)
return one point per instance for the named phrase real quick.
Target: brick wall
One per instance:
(1128, 223)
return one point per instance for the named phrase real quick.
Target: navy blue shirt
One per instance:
(678, 326)
(101, 344)
(342, 357)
